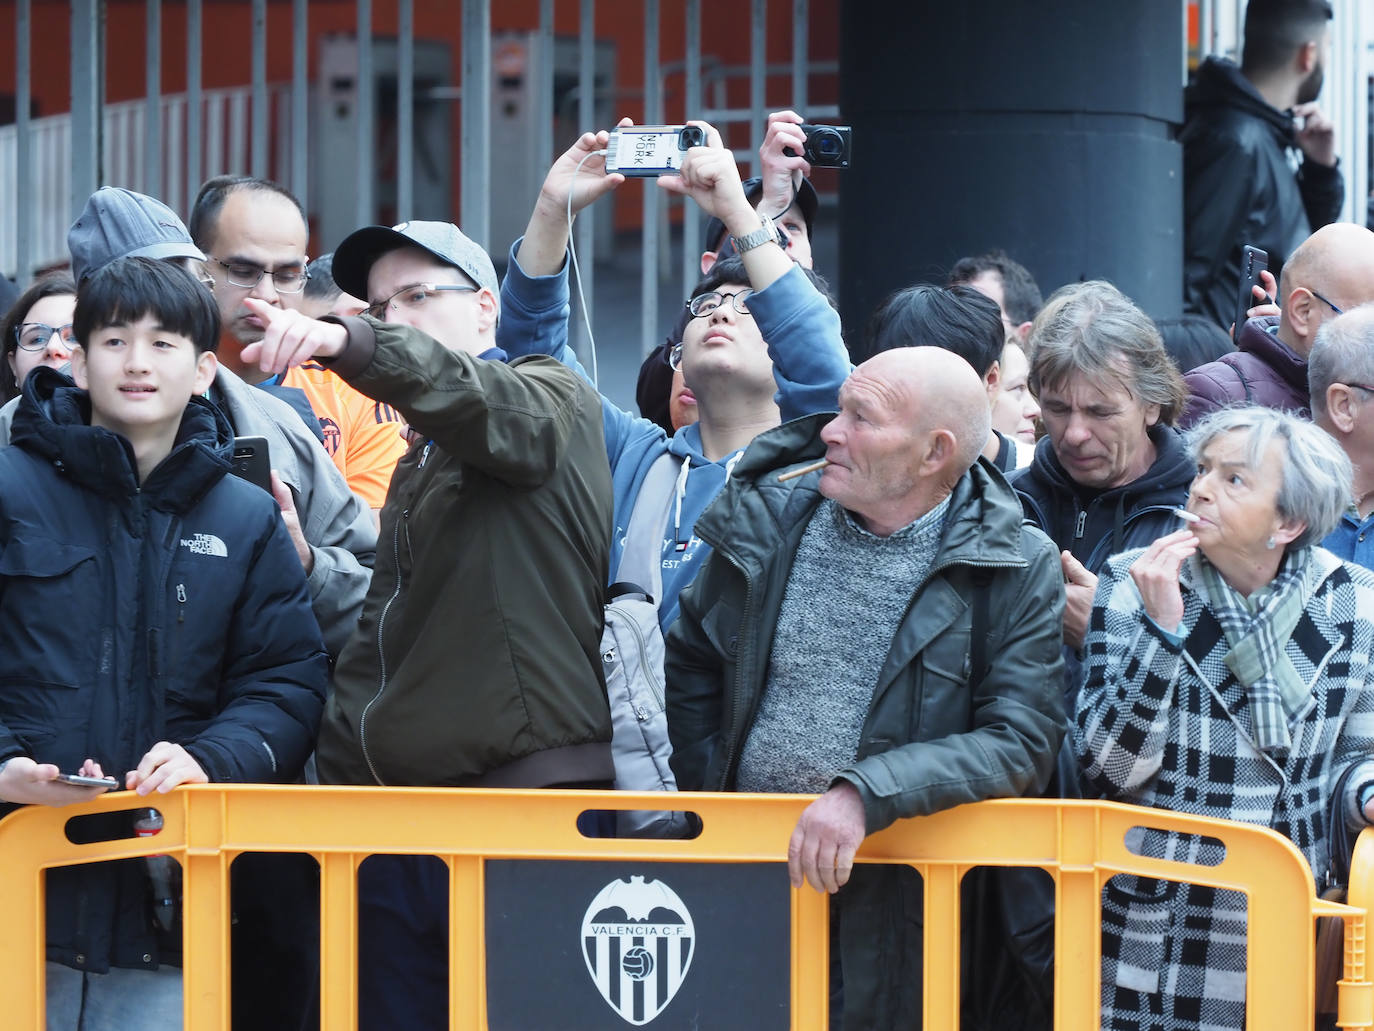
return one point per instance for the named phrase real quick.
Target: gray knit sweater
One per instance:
(846, 595)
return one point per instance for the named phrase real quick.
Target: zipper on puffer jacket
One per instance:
(381, 649)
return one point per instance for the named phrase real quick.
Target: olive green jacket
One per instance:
(476, 658)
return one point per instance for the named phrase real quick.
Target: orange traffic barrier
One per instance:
(1081, 844)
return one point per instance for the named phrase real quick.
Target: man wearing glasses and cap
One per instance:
(254, 235)
(476, 662)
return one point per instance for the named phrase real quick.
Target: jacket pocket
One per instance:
(37, 712)
(1136, 921)
(942, 704)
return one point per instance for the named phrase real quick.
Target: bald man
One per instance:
(884, 633)
(1331, 272)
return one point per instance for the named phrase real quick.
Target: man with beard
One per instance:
(1241, 125)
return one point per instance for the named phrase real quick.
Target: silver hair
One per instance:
(1343, 353)
(1093, 329)
(1316, 482)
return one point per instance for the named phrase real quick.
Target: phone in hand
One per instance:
(642, 151)
(252, 462)
(109, 783)
(1253, 261)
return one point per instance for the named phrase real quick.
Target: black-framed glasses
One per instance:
(245, 275)
(675, 356)
(1360, 386)
(34, 336)
(414, 297)
(1329, 305)
(703, 304)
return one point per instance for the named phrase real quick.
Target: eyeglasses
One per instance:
(414, 297)
(1327, 303)
(34, 336)
(199, 272)
(704, 304)
(246, 276)
(1361, 386)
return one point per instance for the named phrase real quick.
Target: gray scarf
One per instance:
(1257, 628)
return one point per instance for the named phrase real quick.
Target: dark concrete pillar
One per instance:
(1046, 129)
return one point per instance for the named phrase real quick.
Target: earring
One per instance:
(1270, 543)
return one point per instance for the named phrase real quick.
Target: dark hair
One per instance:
(1193, 340)
(956, 318)
(204, 221)
(319, 283)
(1275, 29)
(55, 284)
(127, 289)
(732, 270)
(1020, 295)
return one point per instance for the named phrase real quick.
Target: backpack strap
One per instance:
(981, 582)
(641, 560)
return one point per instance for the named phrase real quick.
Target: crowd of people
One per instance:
(987, 562)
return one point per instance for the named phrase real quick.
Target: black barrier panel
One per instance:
(671, 946)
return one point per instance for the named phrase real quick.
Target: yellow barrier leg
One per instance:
(467, 960)
(338, 941)
(205, 910)
(940, 943)
(810, 959)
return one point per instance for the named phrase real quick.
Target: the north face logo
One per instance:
(205, 544)
(638, 941)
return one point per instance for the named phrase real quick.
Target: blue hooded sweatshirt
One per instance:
(809, 364)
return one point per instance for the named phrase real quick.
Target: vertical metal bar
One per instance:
(367, 134)
(476, 136)
(23, 159)
(586, 117)
(152, 101)
(542, 65)
(801, 58)
(653, 114)
(758, 58)
(195, 140)
(691, 219)
(300, 96)
(405, 110)
(88, 76)
(257, 158)
(1206, 27)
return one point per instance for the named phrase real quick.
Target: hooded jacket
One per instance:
(1094, 524)
(932, 738)
(1261, 371)
(338, 526)
(476, 661)
(173, 609)
(809, 364)
(1239, 187)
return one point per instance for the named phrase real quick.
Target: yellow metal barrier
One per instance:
(1081, 844)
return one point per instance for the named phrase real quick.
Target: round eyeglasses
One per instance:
(289, 279)
(703, 304)
(414, 297)
(34, 336)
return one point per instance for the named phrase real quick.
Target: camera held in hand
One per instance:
(827, 146)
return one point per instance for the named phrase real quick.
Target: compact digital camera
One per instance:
(827, 146)
(651, 150)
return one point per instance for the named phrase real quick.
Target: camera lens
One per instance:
(691, 136)
(828, 143)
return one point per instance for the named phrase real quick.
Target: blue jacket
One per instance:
(175, 609)
(809, 363)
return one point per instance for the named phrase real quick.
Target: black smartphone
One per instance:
(251, 461)
(1253, 261)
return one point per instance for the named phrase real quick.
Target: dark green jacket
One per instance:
(476, 658)
(930, 741)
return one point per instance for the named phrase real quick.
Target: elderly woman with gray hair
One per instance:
(1225, 673)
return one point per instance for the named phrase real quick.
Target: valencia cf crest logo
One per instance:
(638, 941)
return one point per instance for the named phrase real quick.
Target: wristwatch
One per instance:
(765, 233)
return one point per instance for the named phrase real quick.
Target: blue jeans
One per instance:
(146, 999)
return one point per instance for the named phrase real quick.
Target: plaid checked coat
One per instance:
(1169, 727)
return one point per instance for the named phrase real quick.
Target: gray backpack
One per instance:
(632, 658)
